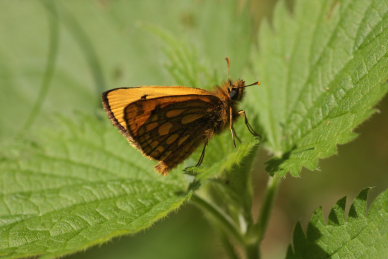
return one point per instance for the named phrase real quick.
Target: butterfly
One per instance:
(168, 123)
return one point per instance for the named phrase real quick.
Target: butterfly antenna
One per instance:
(228, 64)
(255, 83)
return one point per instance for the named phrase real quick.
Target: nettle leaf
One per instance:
(184, 64)
(360, 234)
(82, 186)
(233, 189)
(197, 59)
(323, 68)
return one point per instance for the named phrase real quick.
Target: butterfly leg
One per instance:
(191, 169)
(234, 135)
(202, 156)
(250, 128)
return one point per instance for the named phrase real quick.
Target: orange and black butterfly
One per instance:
(167, 123)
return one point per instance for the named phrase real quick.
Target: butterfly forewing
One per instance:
(116, 100)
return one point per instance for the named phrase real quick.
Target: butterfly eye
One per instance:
(234, 94)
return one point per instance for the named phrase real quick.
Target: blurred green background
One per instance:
(56, 57)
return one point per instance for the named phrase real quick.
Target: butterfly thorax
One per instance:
(230, 94)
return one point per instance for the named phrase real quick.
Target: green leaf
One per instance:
(198, 58)
(184, 64)
(79, 187)
(323, 68)
(360, 234)
(233, 189)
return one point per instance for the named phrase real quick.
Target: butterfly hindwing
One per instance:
(169, 129)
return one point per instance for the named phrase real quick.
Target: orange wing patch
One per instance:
(116, 100)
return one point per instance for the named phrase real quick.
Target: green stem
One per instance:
(269, 198)
(255, 233)
(229, 247)
(224, 220)
(252, 250)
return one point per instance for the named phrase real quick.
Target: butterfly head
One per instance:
(236, 89)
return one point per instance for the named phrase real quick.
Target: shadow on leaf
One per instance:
(305, 246)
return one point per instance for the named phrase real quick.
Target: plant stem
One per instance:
(252, 250)
(269, 198)
(219, 216)
(229, 247)
(255, 233)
